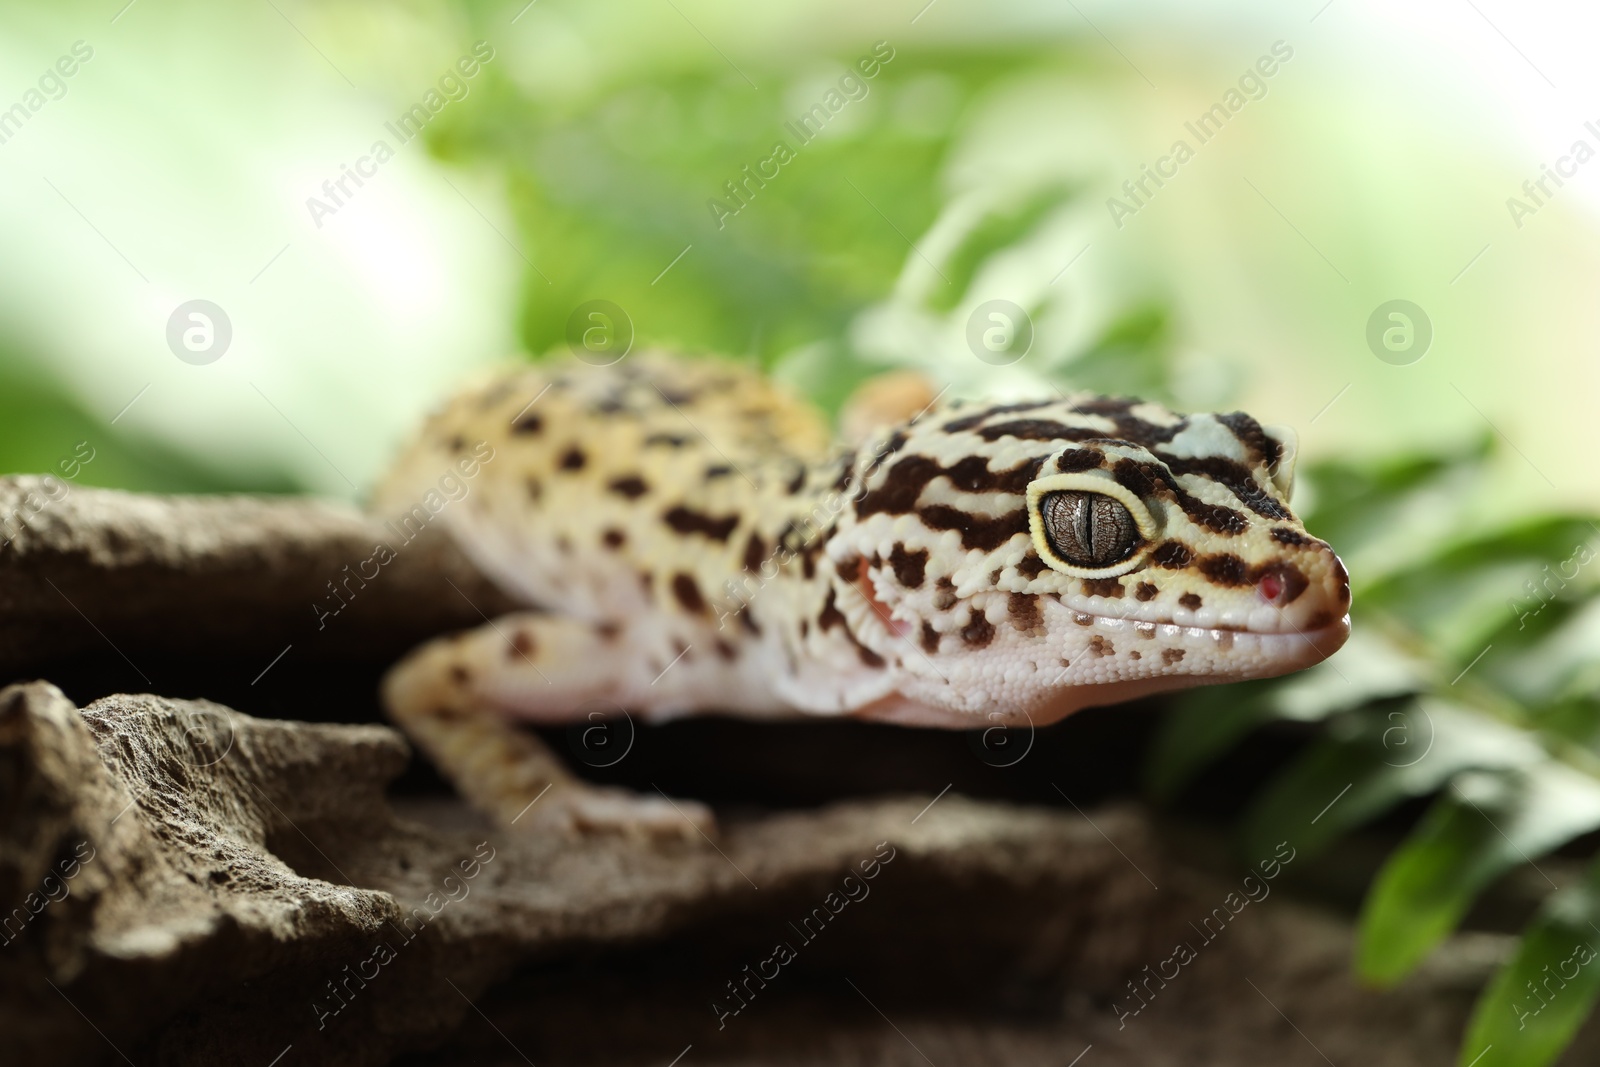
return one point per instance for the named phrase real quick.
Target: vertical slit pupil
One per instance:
(1088, 529)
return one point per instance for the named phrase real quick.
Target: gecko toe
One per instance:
(588, 811)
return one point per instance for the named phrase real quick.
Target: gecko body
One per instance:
(688, 540)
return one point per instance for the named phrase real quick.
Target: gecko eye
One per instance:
(1090, 530)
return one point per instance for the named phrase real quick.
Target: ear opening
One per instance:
(1282, 472)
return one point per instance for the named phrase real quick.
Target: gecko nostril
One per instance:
(1270, 586)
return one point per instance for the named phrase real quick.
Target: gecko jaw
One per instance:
(1295, 649)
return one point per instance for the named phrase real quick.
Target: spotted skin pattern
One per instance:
(689, 541)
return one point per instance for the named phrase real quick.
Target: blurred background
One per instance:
(248, 246)
(1376, 163)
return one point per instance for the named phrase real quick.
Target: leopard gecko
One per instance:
(688, 540)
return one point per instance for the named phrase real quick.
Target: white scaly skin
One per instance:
(692, 545)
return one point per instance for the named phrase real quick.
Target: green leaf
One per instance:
(995, 231)
(1530, 1011)
(1210, 721)
(1373, 760)
(1485, 825)
(1383, 515)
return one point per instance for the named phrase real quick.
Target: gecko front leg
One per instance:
(457, 697)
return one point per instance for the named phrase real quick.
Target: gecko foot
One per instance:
(585, 811)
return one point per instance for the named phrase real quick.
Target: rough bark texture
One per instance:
(181, 883)
(231, 575)
(241, 884)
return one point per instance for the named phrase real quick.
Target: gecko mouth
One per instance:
(1295, 649)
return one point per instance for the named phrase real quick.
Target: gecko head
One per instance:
(1033, 559)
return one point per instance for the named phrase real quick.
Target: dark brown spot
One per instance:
(1190, 601)
(535, 488)
(459, 674)
(608, 631)
(1032, 566)
(1172, 555)
(1253, 437)
(613, 538)
(831, 616)
(458, 444)
(1285, 536)
(683, 520)
(1081, 619)
(528, 422)
(1079, 459)
(748, 621)
(522, 644)
(1319, 620)
(1145, 591)
(902, 485)
(726, 651)
(910, 568)
(1133, 655)
(720, 470)
(974, 476)
(968, 422)
(977, 531)
(631, 486)
(687, 590)
(666, 440)
(978, 631)
(1106, 587)
(944, 597)
(1100, 646)
(1235, 476)
(905, 481)
(930, 638)
(868, 657)
(797, 482)
(1152, 479)
(1023, 609)
(573, 459)
(1037, 430)
(1169, 656)
(1224, 569)
(847, 469)
(755, 553)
